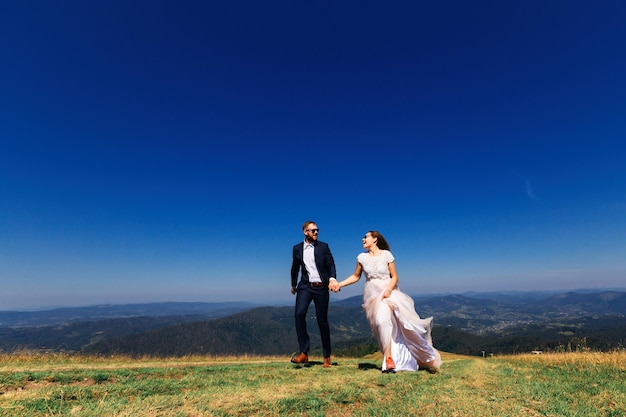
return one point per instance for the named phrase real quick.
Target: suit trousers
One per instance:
(320, 297)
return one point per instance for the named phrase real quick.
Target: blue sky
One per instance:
(170, 151)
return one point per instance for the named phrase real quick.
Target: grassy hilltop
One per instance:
(564, 384)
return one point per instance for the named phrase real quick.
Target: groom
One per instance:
(318, 269)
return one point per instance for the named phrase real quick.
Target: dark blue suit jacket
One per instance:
(323, 260)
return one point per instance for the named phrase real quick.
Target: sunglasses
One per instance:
(313, 230)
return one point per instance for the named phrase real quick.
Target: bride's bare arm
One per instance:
(394, 280)
(352, 278)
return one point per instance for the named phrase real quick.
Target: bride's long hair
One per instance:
(381, 241)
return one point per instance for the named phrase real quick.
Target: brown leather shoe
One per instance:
(327, 362)
(301, 358)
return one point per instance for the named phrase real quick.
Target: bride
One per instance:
(403, 337)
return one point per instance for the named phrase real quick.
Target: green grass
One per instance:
(567, 384)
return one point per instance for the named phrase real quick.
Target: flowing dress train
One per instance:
(393, 320)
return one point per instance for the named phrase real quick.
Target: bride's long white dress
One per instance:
(394, 320)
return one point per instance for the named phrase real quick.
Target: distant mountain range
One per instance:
(111, 311)
(470, 324)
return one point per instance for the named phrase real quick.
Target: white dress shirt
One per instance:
(308, 257)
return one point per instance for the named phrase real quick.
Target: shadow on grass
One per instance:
(311, 364)
(368, 366)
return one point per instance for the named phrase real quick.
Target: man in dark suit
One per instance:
(318, 269)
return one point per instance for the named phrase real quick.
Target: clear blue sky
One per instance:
(170, 150)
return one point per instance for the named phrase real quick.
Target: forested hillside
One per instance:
(466, 325)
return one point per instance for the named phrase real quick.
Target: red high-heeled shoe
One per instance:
(390, 365)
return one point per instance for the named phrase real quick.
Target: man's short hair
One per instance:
(306, 224)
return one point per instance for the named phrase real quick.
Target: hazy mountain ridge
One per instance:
(462, 324)
(76, 335)
(486, 315)
(260, 331)
(65, 315)
(269, 331)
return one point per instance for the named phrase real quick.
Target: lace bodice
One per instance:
(375, 267)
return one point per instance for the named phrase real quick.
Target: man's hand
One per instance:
(334, 285)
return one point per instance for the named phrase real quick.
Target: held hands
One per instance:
(334, 286)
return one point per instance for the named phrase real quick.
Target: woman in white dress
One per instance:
(404, 338)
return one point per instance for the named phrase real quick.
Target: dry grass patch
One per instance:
(615, 359)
